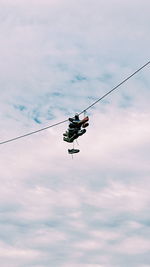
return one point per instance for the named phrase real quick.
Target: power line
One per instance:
(94, 103)
(125, 80)
(34, 132)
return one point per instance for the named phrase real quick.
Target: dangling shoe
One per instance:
(86, 119)
(81, 132)
(67, 139)
(65, 134)
(85, 125)
(73, 151)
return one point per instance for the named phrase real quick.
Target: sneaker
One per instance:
(86, 124)
(67, 139)
(73, 151)
(81, 132)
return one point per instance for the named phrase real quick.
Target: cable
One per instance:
(94, 103)
(34, 132)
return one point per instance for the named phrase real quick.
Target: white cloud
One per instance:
(56, 58)
(134, 245)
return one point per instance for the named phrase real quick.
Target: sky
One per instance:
(56, 58)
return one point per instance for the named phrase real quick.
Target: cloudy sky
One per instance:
(56, 58)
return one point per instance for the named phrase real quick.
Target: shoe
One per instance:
(85, 125)
(67, 139)
(81, 132)
(73, 151)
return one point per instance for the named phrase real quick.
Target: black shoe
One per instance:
(73, 151)
(67, 139)
(81, 132)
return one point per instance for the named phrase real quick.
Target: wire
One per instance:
(94, 103)
(34, 132)
(125, 80)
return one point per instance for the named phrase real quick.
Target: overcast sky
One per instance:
(56, 58)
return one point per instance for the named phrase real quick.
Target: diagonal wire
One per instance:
(93, 104)
(125, 80)
(34, 132)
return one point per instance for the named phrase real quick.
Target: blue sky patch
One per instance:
(79, 78)
(56, 59)
(20, 107)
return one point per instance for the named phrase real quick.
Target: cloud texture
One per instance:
(57, 57)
